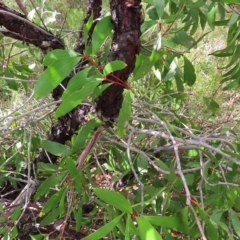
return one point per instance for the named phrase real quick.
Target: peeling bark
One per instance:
(127, 19)
(19, 27)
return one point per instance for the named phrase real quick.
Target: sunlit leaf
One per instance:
(102, 29)
(147, 231)
(54, 74)
(54, 55)
(114, 66)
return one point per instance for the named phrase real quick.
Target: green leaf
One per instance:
(54, 55)
(11, 84)
(86, 29)
(102, 29)
(228, 1)
(189, 72)
(54, 200)
(211, 17)
(54, 74)
(164, 221)
(99, 89)
(84, 133)
(77, 97)
(125, 113)
(74, 173)
(232, 85)
(76, 82)
(235, 222)
(55, 148)
(105, 230)
(211, 231)
(53, 215)
(47, 184)
(78, 217)
(147, 231)
(16, 213)
(114, 66)
(159, 5)
(115, 199)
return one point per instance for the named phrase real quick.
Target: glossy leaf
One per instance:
(54, 74)
(147, 231)
(76, 82)
(54, 55)
(102, 29)
(114, 66)
(77, 97)
(114, 199)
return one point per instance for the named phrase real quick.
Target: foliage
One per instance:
(182, 174)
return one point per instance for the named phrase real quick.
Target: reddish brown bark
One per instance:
(19, 27)
(127, 19)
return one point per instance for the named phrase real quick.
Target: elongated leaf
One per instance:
(74, 173)
(45, 186)
(76, 82)
(16, 213)
(227, 1)
(235, 222)
(102, 29)
(53, 215)
(114, 66)
(147, 231)
(105, 230)
(211, 231)
(189, 72)
(163, 221)
(54, 74)
(232, 85)
(125, 113)
(76, 97)
(158, 42)
(211, 17)
(99, 89)
(115, 199)
(159, 5)
(54, 55)
(85, 133)
(55, 148)
(54, 200)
